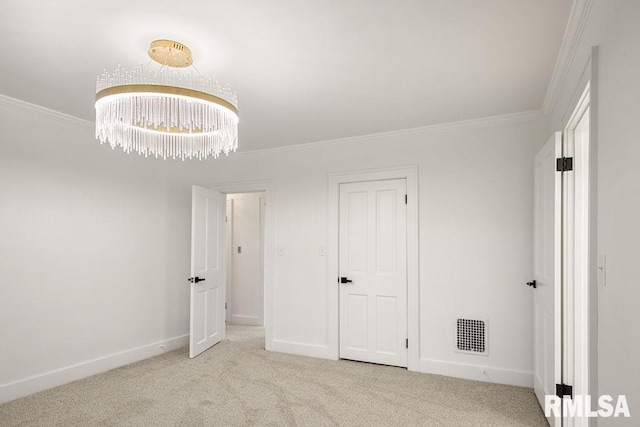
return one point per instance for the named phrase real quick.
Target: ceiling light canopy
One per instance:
(166, 112)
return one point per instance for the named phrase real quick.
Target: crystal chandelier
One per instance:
(164, 112)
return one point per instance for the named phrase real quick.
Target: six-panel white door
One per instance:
(373, 255)
(546, 271)
(207, 270)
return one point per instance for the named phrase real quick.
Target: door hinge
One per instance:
(564, 164)
(406, 343)
(225, 305)
(406, 199)
(563, 390)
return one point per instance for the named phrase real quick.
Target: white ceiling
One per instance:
(304, 71)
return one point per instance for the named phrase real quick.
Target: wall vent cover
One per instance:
(471, 336)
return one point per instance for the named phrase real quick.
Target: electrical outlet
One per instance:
(322, 251)
(280, 250)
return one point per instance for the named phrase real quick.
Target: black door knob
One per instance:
(345, 280)
(532, 284)
(196, 279)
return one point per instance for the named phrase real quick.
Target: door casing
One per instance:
(579, 282)
(228, 243)
(268, 252)
(410, 174)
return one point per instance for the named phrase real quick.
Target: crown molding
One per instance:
(525, 116)
(572, 36)
(18, 104)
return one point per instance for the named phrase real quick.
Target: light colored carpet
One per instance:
(238, 383)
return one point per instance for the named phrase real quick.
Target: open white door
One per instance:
(547, 271)
(207, 270)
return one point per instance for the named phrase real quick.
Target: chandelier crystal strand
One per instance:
(166, 113)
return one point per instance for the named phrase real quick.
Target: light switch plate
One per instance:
(280, 250)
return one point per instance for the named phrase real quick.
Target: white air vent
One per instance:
(471, 336)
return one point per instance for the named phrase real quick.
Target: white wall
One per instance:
(246, 283)
(94, 252)
(95, 243)
(475, 185)
(613, 26)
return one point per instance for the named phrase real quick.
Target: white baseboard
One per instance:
(27, 386)
(239, 319)
(300, 349)
(475, 372)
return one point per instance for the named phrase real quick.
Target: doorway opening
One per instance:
(244, 246)
(209, 260)
(266, 188)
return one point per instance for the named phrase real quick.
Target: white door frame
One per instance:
(267, 291)
(410, 173)
(228, 244)
(263, 205)
(585, 350)
(577, 295)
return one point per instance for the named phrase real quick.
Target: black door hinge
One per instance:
(406, 199)
(564, 390)
(225, 305)
(564, 164)
(406, 343)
